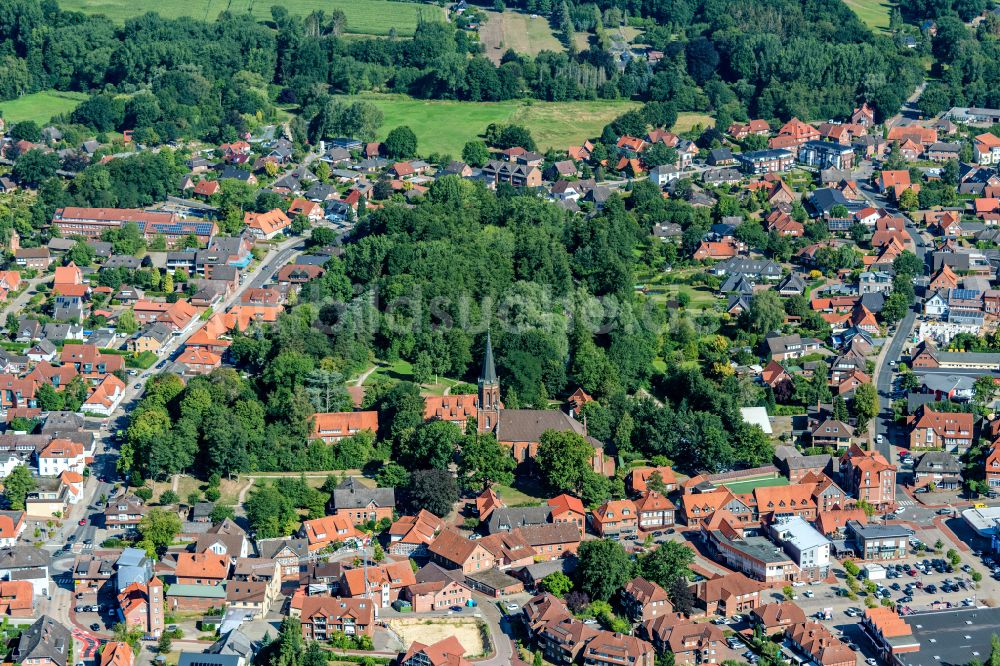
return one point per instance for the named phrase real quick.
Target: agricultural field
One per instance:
(445, 126)
(518, 31)
(369, 17)
(40, 106)
(874, 13)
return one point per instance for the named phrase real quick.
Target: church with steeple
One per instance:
(520, 430)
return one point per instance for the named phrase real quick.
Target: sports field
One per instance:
(747, 486)
(40, 106)
(372, 17)
(518, 31)
(445, 126)
(874, 13)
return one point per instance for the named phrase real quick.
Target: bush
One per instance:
(169, 497)
(144, 493)
(212, 494)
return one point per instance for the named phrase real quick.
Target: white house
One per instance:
(61, 455)
(809, 549)
(664, 174)
(106, 397)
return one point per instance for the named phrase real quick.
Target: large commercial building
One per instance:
(92, 222)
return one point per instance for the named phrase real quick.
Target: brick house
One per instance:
(615, 519)
(322, 616)
(727, 595)
(643, 600)
(952, 431)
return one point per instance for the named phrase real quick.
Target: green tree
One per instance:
(475, 153)
(80, 254)
(169, 497)
(130, 635)
(270, 513)
(35, 166)
(603, 567)
(563, 460)
(866, 405)
(433, 489)
(556, 583)
(126, 323)
(400, 143)
(983, 390)
(432, 444)
(157, 531)
(671, 560)
(17, 485)
(484, 462)
(766, 312)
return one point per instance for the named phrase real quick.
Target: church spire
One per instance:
(488, 375)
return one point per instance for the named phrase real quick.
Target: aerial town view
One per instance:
(500, 332)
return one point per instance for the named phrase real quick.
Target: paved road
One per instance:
(106, 455)
(884, 371)
(909, 110)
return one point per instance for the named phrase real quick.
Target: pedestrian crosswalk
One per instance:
(905, 502)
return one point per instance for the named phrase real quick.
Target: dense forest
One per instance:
(188, 78)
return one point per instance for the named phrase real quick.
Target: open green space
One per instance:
(445, 126)
(874, 13)
(747, 486)
(372, 17)
(40, 106)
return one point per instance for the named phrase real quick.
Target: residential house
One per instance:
(728, 595)
(638, 479)
(410, 535)
(760, 162)
(952, 431)
(46, 642)
(826, 155)
(446, 652)
(774, 618)
(615, 649)
(937, 470)
(332, 427)
(615, 519)
(869, 477)
(202, 568)
(656, 512)
(644, 600)
(382, 584)
(782, 347)
(322, 532)
(321, 617)
(816, 642)
(690, 642)
(834, 433)
(986, 149)
(267, 225)
(362, 504)
(126, 511)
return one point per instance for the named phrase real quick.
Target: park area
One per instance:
(41, 106)
(445, 126)
(366, 17)
(468, 631)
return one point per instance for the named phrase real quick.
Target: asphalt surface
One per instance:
(884, 425)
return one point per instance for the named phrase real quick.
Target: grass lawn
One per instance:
(874, 13)
(397, 371)
(518, 31)
(40, 106)
(524, 492)
(742, 487)
(686, 120)
(373, 17)
(445, 126)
